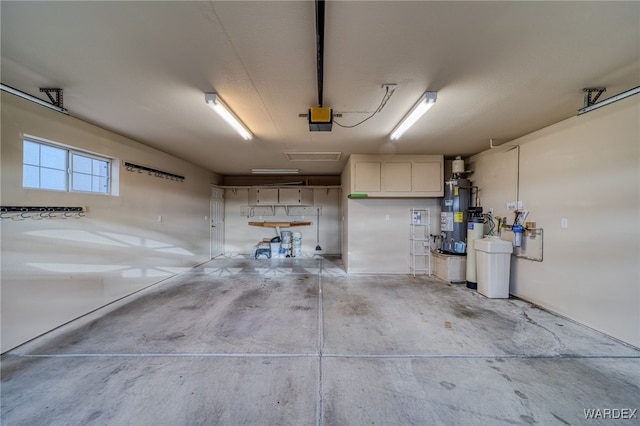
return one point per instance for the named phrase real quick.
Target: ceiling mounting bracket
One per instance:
(57, 100)
(592, 94)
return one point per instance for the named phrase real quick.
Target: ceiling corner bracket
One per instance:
(591, 95)
(591, 104)
(55, 96)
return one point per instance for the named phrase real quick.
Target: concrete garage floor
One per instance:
(297, 341)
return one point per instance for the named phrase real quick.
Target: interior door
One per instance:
(217, 222)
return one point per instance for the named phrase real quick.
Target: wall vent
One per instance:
(313, 156)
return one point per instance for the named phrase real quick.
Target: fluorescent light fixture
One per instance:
(426, 101)
(216, 104)
(33, 99)
(275, 171)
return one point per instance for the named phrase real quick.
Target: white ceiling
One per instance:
(501, 70)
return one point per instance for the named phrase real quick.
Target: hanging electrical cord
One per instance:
(383, 102)
(487, 218)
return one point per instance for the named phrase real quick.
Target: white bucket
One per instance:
(297, 244)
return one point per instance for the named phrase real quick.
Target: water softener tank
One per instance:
(453, 216)
(475, 231)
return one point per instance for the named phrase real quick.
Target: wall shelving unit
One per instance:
(419, 243)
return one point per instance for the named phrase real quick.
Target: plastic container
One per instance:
(297, 244)
(275, 249)
(262, 249)
(493, 263)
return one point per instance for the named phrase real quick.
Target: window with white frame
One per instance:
(57, 168)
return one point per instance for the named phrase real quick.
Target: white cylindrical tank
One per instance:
(475, 230)
(457, 165)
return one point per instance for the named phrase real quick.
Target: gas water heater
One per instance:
(453, 215)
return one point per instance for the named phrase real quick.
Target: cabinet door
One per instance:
(263, 196)
(427, 177)
(289, 196)
(295, 196)
(366, 177)
(306, 197)
(396, 177)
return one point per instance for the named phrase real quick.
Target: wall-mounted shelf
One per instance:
(419, 242)
(278, 225)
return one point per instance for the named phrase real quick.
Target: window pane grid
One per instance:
(47, 167)
(89, 174)
(53, 158)
(85, 182)
(100, 168)
(31, 153)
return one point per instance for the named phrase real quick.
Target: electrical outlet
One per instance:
(564, 223)
(515, 205)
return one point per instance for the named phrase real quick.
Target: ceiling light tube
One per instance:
(275, 171)
(215, 103)
(426, 101)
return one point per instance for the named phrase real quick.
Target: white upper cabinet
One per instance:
(396, 175)
(427, 177)
(295, 196)
(263, 196)
(366, 176)
(280, 197)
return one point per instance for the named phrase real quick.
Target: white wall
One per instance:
(241, 237)
(345, 180)
(585, 169)
(55, 270)
(378, 233)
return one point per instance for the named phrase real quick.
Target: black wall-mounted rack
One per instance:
(131, 167)
(43, 212)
